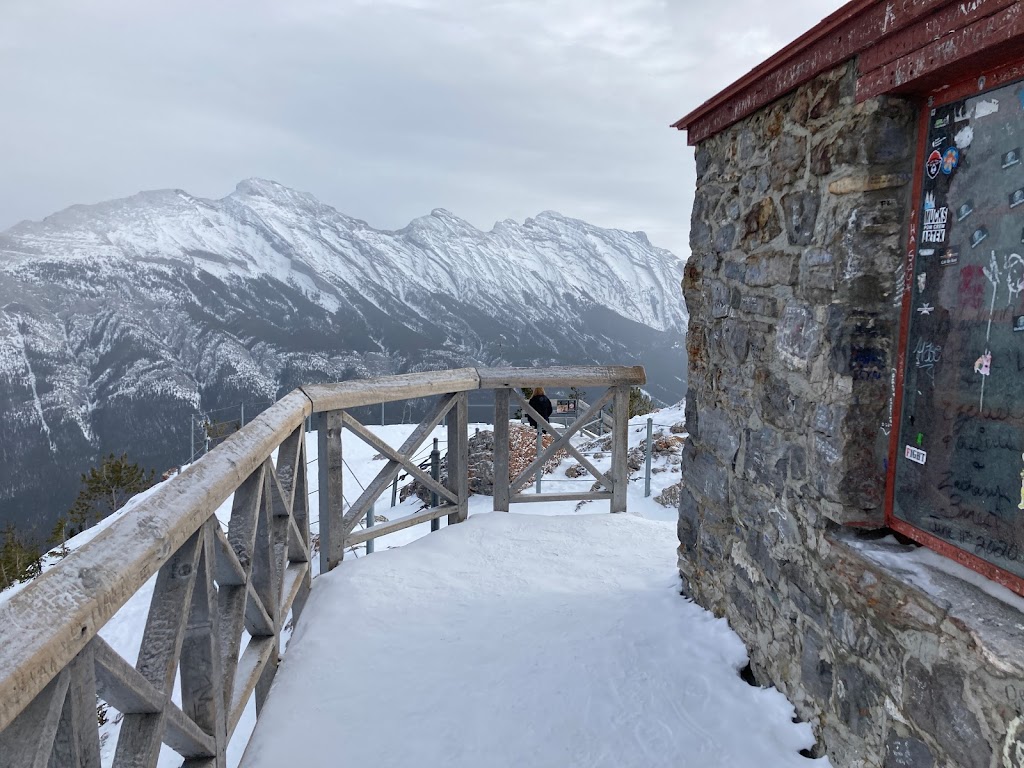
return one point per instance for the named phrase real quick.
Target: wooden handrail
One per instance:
(211, 585)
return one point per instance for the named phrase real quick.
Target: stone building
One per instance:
(856, 403)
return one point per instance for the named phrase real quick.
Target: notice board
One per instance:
(958, 473)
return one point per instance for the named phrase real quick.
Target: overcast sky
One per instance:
(383, 109)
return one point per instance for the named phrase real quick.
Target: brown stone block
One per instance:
(762, 223)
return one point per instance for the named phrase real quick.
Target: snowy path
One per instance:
(519, 640)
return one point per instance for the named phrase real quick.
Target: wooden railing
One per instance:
(214, 587)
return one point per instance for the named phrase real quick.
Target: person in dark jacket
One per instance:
(540, 403)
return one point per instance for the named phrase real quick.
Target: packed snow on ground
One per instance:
(517, 640)
(556, 637)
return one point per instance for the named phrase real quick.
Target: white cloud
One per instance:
(383, 108)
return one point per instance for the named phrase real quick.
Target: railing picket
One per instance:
(458, 458)
(501, 484)
(138, 745)
(332, 512)
(620, 445)
(298, 539)
(28, 741)
(202, 683)
(78, 740)
(250, 667)
(266, 586)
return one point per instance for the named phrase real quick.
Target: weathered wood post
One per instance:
(501, 482)
(458, 458)
(650, 445)
(620, 438)
(435, 472)
(332, 532)
(540, 445)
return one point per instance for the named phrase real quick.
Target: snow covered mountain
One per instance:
(118, 321)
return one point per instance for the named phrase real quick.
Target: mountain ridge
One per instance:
(121, 320)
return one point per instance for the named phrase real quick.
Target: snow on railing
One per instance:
(214, 587)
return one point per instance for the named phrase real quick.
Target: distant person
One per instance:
(540, 403)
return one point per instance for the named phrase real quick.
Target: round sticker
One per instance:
(950, 160)
(933, 164)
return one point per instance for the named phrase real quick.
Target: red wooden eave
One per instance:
(904, 46)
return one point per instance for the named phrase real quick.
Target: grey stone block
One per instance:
(800, 213)
(860, 694)
(935, 702)
(906, 752)
(816, 671)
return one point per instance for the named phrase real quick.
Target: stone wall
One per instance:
(793, 287)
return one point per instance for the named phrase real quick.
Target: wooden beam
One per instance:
(458, 458)
(200, 667)
(298, 537)
(561, 443)
(266, 583)
(927, 30)
(120, 685)
(927, 64)
(620, 447)
(250, 667)
(387, 389)
(424, 516)
(230, 572)
(287, 465)
(501, 450)
(384, 478)
(294, 578)
(853, 28)
(527, 498)
(407, 463)
(28, 739)
(78, 739)
(139, 740)
(185, 737)
(332, 509)
(562, 376)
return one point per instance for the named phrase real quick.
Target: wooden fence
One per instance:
(214, 586)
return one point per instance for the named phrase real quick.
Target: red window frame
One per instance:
(979, 82)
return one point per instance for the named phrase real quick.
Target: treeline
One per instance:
(104, 490)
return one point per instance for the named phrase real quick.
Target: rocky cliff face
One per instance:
(120, 321)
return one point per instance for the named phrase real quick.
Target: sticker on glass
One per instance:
(916, 454)
(950, 160)
(1021, 505)
(1018, 323)
(933, 163)
(1011, 158)
(978, 236)
(1017, 197)
(961, 114)
(964, 137)
(950, 257)
(965, 210)
(986, 108)
(925, 309)
(983, 364)
(922, 281)
(934, 227)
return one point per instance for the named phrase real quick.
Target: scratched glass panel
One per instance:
(960, 468)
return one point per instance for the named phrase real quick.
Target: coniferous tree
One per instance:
(18, 561)
(105, 489)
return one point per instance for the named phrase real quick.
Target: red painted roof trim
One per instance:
(858, 26)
